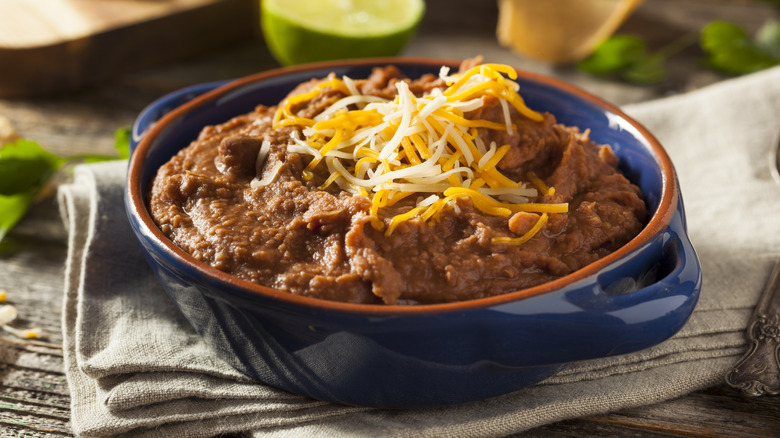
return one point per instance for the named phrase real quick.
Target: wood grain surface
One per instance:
(58, 45)
(34, 397)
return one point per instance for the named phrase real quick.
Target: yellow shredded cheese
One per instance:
(540, 185)
(525, 237)
(389, 150)
(32, 333)
(8, 314)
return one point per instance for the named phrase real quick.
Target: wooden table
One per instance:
(34, 397)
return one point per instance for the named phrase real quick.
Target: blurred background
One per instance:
(51, 46)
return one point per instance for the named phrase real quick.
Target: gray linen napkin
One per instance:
(136, 368)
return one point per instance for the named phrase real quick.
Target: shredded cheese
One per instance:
(268, 178)
(32, 333)
(525, 237)
(388, 150)
(8, 314)
(540, 185)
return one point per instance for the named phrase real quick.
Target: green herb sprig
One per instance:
(727, 47)
(732, 51)
(26, 168)
(626, 57)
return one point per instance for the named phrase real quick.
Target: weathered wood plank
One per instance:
(91, 41)
(44, 399)
(15, 377)
(32, 413)
(32, 424)
(45, 359)
(55, 413)
(716, 412)
(586, 428)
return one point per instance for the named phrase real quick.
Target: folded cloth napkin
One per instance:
(136, 368)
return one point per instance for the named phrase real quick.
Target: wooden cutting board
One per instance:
(51, 46)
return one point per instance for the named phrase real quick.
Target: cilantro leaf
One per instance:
(614, 55)
(12, 209)
(26, 167)
(647, 70)
(625, 57)
(728, 47)
(122, 143)
(731, 50)
(768, 38)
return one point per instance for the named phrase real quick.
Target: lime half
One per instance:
(299, 31)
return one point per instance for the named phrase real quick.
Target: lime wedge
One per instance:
(299, 31)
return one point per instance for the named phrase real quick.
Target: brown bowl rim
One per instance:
(659, 220)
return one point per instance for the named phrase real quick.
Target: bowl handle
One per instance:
(656, 302)
(641, 301)
(162, 106)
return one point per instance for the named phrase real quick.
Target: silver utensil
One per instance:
(758, 371)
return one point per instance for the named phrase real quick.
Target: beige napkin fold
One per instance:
(136, 368)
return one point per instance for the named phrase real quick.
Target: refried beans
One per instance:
(246, 198)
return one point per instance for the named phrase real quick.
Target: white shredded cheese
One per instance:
(8, 313)
(345, 102)
(427, 201)
(268, 178)
(507, 118)
(412, 144)
(265, 147)
(488, 155)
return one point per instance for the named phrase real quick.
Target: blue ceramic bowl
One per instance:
(413, 356)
